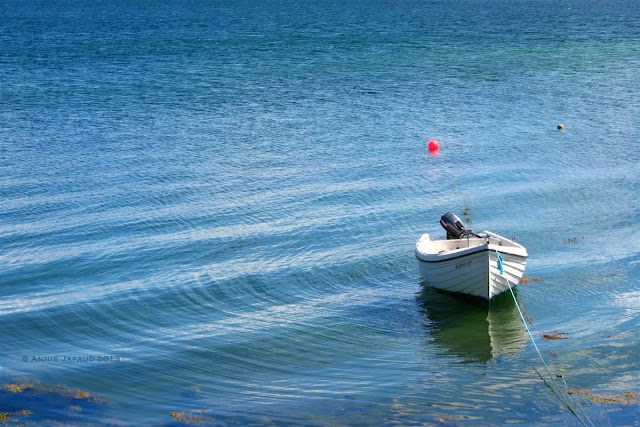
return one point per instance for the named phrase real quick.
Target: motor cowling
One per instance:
(453, 225)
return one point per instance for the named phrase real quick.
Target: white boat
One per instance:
(467, 263)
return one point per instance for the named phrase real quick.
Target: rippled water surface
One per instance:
(208, 210)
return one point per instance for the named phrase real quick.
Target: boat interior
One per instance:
(458, 237)
(428, 246)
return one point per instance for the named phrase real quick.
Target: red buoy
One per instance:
(433, 145)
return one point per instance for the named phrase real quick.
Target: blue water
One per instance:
(213, 207)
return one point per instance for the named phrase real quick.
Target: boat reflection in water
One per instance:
(471, 331)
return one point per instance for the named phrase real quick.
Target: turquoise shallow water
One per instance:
(213, 208)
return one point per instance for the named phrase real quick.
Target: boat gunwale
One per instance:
(515, 249)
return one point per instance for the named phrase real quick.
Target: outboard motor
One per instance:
(453, 225)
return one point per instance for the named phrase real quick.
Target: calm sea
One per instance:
(208, 210)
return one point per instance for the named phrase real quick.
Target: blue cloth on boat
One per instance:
(500, 260)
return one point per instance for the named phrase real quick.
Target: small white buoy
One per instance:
(560, 126)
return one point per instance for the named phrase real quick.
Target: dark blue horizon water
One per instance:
(213, 207)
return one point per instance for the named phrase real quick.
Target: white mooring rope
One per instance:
(562, 395)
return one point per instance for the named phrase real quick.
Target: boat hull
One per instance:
(473, 272)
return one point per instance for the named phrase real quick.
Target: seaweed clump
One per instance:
(629, 398)
(467, 216)
(192, 418)
(526, 280)
(573, 240)
(17, 388)
(59, 390)
(556, 336)
(6, 417)
(45, 404)
(185, 417)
